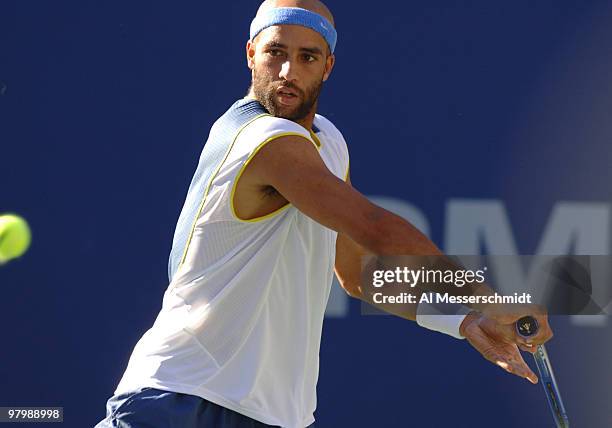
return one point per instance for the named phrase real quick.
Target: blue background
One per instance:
(104, 107)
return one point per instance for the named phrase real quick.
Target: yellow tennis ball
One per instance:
(15, 237)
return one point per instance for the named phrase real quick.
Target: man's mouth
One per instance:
(283, 90)
(287, 96)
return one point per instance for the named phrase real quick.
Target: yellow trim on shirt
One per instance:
(243, 168)
(315, 139)
(348, 168)
(210, 181)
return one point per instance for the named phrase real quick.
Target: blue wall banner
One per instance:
(485, 123)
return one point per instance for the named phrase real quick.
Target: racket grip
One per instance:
(527, 326)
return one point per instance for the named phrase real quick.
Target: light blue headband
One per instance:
(295, 16)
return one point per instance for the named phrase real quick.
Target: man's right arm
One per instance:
(292, 166)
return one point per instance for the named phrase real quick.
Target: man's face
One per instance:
(289, 64)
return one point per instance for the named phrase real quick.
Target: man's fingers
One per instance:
(528, 374)
(490, 339)
(504, 365)
(506, 317)
(513, 362)
(517, 369)
(528, 348)
(543, 335)
(510, 334)
(532, 378)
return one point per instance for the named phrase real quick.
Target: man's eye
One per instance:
(309, 58)
(275, 52)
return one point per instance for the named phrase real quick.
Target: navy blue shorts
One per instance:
(154, 408)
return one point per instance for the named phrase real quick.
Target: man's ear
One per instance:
(250, 53)
(329, 65)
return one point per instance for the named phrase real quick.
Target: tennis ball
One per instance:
(15, 237)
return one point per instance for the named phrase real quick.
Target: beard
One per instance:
(265, 91)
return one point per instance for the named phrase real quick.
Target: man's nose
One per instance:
(287, 71)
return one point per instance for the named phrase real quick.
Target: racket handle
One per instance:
(527, 326)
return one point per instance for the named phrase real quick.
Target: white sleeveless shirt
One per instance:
(241, 320)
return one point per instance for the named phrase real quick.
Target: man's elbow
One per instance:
(375, 238)
(385, 233)
(375, 229)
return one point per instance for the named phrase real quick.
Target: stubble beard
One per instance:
(265, 92)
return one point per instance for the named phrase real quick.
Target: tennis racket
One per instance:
(527, 327)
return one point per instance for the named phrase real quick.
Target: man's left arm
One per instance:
(350, 257)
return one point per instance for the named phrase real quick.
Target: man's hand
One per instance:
(497, 341)
(506, 317)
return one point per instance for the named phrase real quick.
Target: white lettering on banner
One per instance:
(476, 224)
(581, 226)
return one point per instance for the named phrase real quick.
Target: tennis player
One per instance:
(270, 213)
